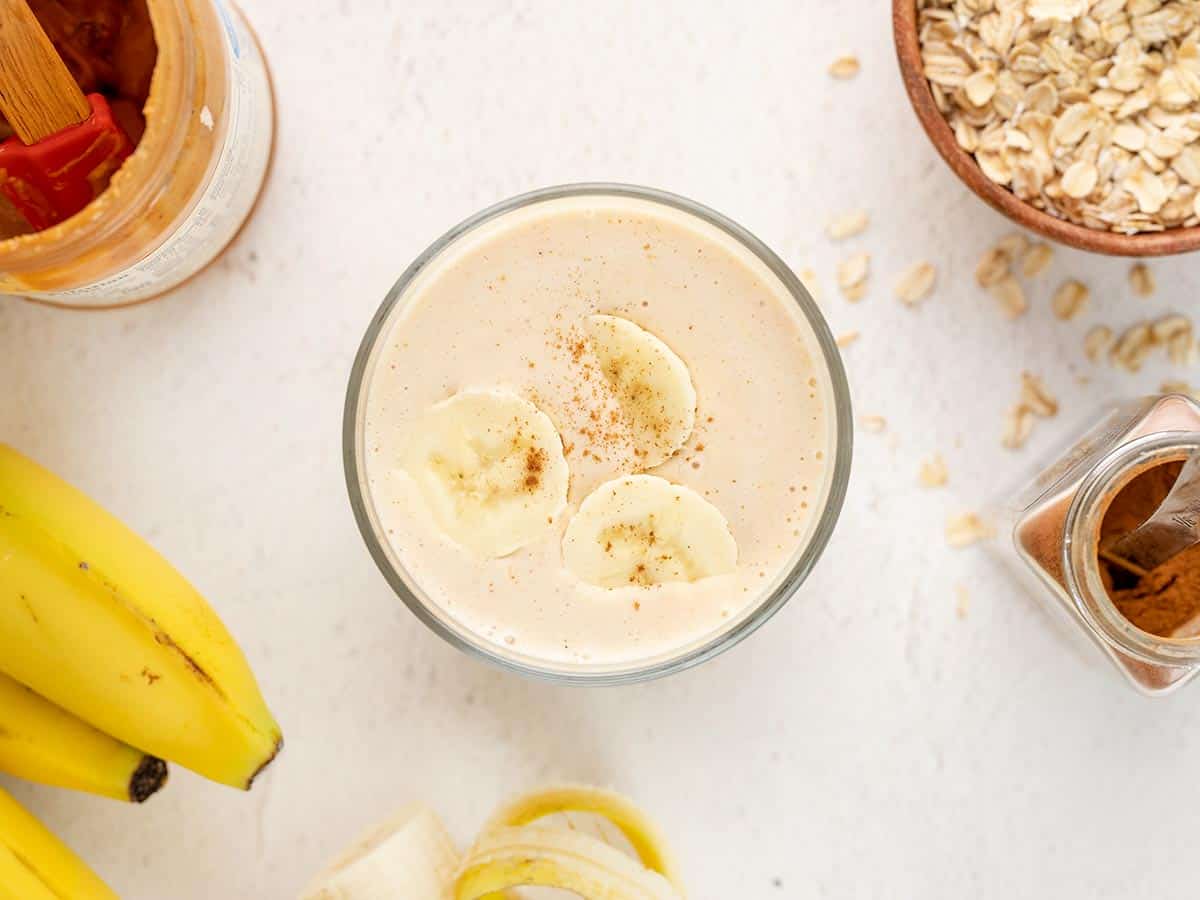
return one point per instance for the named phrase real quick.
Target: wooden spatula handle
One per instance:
(38, 95)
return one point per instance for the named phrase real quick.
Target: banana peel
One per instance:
(413, 858)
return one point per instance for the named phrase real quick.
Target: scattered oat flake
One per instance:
(1097, 342)
(1014, 244)
(966, 529)
(1036, 397)
(915, 283)
(1070, 299)
(1018, 424)
(845, 66)
(1011, 296)
(848, 224)
(1133, 346)
(848, 338)
(1175, 331)
(1036, 259)
(1141, 279)
(874, 424)
(995, 264)
(933, 472)
(852, 275)
(962, 601)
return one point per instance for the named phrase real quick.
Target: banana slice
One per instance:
(652, 384)
(644, 530)
(490, 466)
(409, 858)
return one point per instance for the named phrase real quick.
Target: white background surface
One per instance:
(867, 742)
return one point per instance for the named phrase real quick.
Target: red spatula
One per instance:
(67, 146)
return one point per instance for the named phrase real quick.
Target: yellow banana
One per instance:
(35, 865)
(18, 882)
(94, 620)
(43, 742)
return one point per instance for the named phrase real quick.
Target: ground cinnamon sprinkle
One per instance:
(1167, 598)
(535, 464)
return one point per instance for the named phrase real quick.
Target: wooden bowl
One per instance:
(908, 52)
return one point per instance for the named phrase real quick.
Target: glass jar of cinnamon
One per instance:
(197, 169)
(1110, 481)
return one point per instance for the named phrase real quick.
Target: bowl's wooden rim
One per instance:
(908, 53)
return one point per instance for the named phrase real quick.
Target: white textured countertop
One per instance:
(868, 741)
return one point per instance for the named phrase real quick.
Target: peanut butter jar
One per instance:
(184, 193)
(1061, 521)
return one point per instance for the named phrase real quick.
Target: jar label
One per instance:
(226, 199)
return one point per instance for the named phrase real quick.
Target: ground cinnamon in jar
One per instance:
(1166, 601)
(1111, 480)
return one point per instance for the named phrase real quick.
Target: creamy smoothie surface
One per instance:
(550, 349)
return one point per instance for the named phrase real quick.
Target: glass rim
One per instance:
(694, 654)
(1106, 479)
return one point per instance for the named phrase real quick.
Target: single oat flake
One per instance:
(873, 424)
(1010, 295)
(845, 339)
(848, 224)
(997, 262)
(915, 283)
(1176, 334)
(852, 275)
(1036, 397)
(1097, 342)
(1141, 279)
(967, 529)
(1070, 299)
(1133, 347)
(1036, 260)
(933, 473)
(1018, 425)
(845, 66)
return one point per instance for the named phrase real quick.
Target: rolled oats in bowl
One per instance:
(1086, 109)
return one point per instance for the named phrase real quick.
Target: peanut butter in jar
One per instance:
(191, 72)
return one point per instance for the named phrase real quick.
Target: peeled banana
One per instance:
(412, 857)
(94, 620)
(643, 530)
(35, 865)
(652, 385)
(43, 742)
(491, 469)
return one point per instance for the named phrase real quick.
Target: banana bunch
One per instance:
(492, 471)
(110, 663)
(413, 858)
